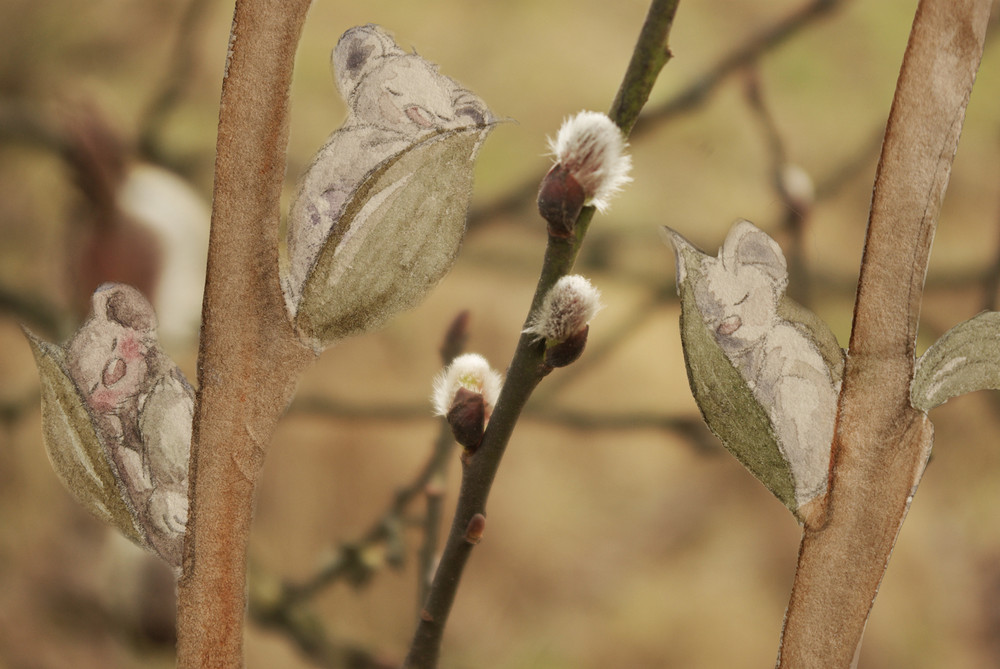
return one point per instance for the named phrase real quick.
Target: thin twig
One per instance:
(433, 491)
(771, 37)
(796, 206)
(539, 411)
(689, 99)
(350, 559)
(282, 606)
(454, 345)
(182, 65)
(308, 633)
(43, 316)
(526, 368)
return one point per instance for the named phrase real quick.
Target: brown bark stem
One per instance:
(882, 443)
(249, 358)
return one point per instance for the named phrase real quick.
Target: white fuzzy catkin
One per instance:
(470, 371)
(591, 147)
(568, 307)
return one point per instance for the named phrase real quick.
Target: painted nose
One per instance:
(419, 116)
(113, 372)
(729, 325)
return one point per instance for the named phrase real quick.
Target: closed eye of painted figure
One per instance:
(738, 294)
(394, 98)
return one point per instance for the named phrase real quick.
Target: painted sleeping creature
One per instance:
(788, 363)
(141, 407)
(394, 98)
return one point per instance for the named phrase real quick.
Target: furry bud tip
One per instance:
(472, 372)
(568, 308)
(591, 148)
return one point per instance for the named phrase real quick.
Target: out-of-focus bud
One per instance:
(466, 392)
(564, 317)
(591, 166)
(798, 187)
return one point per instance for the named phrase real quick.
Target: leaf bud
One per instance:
(465, 392)
(591, 150)
(563, 319)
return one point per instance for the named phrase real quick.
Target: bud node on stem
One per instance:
(474, 530)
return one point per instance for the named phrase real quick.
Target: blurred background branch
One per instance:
(618, 426)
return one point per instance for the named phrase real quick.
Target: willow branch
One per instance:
(881, 444)
(687, 100)
(250, 358)
(527, 367)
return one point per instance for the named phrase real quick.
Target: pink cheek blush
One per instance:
(105, 400)
(130, 348)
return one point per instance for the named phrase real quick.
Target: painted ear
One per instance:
(124, 305)
(681, 247)
(746, 244)
(357, 52)
(466, 103)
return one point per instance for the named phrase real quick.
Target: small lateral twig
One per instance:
(176, 81)
(348, 561)
(311, 637)
(769, 38)
(282, 606)
(599, 351)
(795, 206)
(352, 561)
(881, 444)
(527, 367)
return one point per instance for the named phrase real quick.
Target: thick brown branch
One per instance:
(249, 357)
(882, 444)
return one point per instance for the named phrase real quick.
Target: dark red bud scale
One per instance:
(567, 351)
(467, 418)
(560, 200)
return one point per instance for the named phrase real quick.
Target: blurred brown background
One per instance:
(614, 539)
